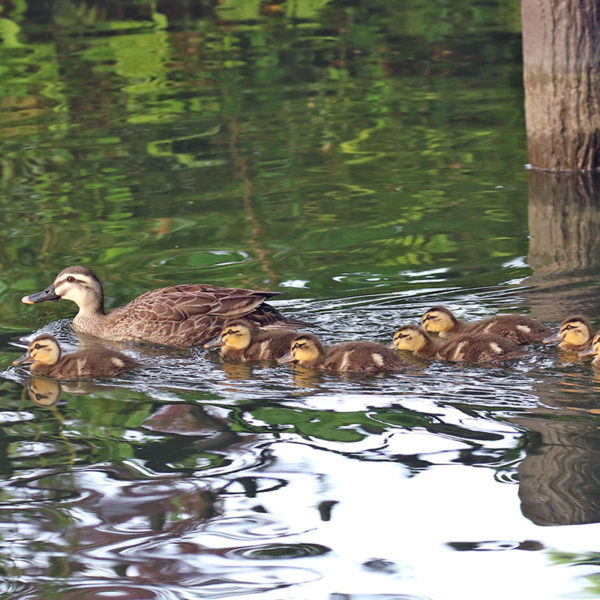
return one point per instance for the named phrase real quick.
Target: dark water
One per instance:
(367, 159)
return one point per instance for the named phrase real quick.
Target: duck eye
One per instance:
(70, 279)
(37, 346)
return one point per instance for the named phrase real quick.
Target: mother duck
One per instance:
(179, 315)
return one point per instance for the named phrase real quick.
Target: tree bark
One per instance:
(561, 71)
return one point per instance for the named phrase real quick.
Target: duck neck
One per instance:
(90, 318)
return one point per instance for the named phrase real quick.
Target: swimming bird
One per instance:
(178, 315)
(47, 361)
(575, 334)
(469, 347)
(307, 350)
(593, 350)
(519, 328)
(242, 341)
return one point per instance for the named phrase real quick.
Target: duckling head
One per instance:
(410, 337)
(439, 319)
(306, 350)
(44, 349)
(235, 335)
(574, 331)
(78, 284)
(593, 349)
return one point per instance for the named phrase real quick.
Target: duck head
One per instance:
(574, 332)
(235, 335)
(410, 337)
(439, 319)
(78, 284)
(306, 350)
(44, 349)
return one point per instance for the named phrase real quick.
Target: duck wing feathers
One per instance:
(189, 314)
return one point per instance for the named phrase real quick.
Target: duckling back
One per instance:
(87, 364)
(518, 328)
(361, 357)
(480, 347)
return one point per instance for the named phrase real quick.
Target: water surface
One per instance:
(368, 161)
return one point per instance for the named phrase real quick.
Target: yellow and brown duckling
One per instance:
(45, 355)
(470, 347)
(575, 334)
(179, 315)
(519, 328)
(593, 350)
(242, 341)
(307, 351)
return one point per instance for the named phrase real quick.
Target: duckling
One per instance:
(45, 355)
(593, 350)
(240, 341)
(518, 328)
(470, 347)
(307, 350)
(179, 315)
(575, 334)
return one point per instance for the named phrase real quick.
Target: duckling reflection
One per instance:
(351, 357)
(43, 392)
(520, 329)
(45, 355)
(575, 334)
(470, 347)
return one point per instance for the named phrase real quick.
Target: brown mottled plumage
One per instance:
(45, 355)
(179, 315)
(353, 357)
(470, 347)
(575, 334)
(518, 328)
(240, 341)
(593, 350)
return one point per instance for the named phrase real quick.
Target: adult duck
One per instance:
(179, 315)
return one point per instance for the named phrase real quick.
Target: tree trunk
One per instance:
(561, 70)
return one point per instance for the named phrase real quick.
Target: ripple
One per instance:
(279, 551)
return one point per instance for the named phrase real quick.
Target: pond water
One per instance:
(367, 160)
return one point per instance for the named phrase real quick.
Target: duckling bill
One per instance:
(44, 354)
(180, 315)
(307, 351)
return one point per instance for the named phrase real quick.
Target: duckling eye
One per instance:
(70, 279)
(37, 346)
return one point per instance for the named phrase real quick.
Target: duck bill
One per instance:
(552, 339)
(22, 359)
(47, 294)
(286, 358)
(588, 351)
(216, 342)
